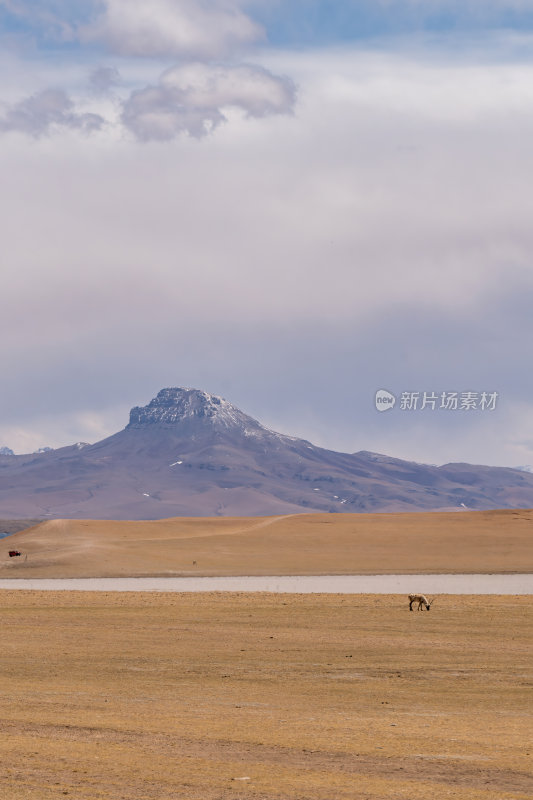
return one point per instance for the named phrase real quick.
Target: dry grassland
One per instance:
(146, 696)
(301, 544)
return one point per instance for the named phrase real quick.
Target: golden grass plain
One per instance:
(156, 696)
(301, 544)
(215, 696)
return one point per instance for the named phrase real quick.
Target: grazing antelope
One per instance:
(421, 600)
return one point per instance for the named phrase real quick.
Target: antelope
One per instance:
(421, 600)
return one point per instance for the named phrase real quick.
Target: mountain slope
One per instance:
(189, 453)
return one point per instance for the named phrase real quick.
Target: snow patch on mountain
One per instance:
(175, 406)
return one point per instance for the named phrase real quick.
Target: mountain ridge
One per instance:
(191, 453)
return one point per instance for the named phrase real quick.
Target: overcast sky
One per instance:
(290, 204)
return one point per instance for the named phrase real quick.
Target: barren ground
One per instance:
(218, 696)
(155, 696)
(302, 544)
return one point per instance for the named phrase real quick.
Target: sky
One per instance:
(293, 205)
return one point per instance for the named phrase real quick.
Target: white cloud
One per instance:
(191, 99)
(201, 29)
(246, 86)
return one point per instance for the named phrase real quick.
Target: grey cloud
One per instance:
(171, 28)
(38, 114)
(103, 78)
(158, 113)
(190, 99)
(294, 274)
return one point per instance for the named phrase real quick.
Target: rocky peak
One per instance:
(176, 405)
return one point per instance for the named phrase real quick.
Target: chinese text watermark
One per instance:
(433, 401)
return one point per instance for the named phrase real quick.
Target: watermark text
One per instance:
(437, 401)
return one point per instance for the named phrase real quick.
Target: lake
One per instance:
(294, 584)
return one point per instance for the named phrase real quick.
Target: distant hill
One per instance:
(10, 526)
(190, 453)
(294, 544)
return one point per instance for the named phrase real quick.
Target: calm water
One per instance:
(342, 584)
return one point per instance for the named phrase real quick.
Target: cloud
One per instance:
(158, 113)
(190, 99)
(51, 19)
(215, 29)
(103, 78)
(81, 426)
(201, 29)
(447, 15)
(45, 111)
(250, 87)
(381, 237)
(480, 7)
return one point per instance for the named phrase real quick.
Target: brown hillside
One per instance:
(304, 544)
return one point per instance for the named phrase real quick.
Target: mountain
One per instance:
(189, 453)
(6, 451)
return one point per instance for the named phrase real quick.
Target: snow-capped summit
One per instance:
(174, 406)
(6, 451)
